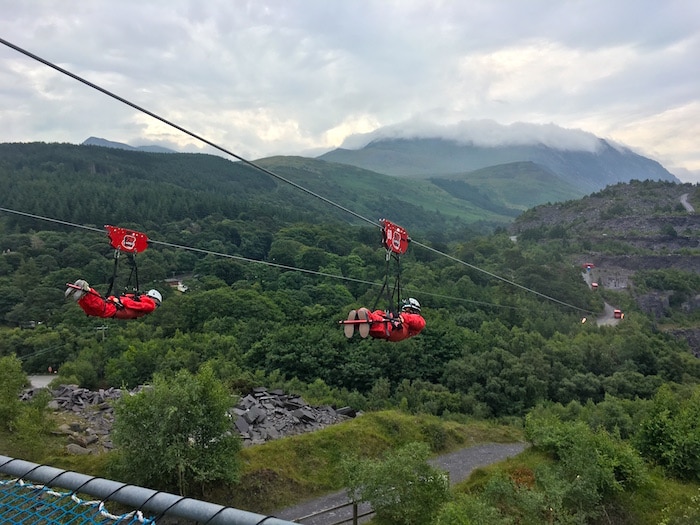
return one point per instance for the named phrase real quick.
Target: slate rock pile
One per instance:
(258, 417)
(263, 415)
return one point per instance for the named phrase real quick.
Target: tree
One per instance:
(402, 488)
(12, 381)
(595, 466)
(176, 433)
(670, 433)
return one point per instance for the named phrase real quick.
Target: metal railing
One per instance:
(359, 511)
(146, 500)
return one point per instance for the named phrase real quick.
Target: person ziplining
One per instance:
(387, 226)
(394, 323)
(124, 306)
(129, 304)
(382, 324)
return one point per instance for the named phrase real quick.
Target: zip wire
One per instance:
(258, 167)
(246, 259)
(502, 278)
(183, 130)
(51, 220)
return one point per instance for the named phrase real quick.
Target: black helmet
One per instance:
(410, 304)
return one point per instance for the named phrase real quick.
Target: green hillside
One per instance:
(610, 410)
(365, 190)
(518, 185)
(118, 185)
(429, 157)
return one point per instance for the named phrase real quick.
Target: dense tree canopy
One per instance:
(268, 281)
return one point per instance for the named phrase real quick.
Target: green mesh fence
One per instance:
(40, 494)
(25, 503)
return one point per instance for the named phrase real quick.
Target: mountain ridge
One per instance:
(587, 171)
(96, 141)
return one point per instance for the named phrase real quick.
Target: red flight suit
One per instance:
(127, 306)
(396, 329)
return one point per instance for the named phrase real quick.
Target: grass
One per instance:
(660, 501)
(283, 472)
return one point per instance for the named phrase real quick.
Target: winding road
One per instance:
(684, 201)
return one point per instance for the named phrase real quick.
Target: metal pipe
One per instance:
(140, 498)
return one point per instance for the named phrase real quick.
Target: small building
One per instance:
(177, 284)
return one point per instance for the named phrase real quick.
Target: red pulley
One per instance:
(127, 240)
(395, 237)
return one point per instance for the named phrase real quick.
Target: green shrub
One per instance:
(402, 488)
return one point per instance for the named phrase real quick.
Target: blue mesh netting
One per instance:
(25, 503)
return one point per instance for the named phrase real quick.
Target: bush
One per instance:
(402, 489)
(596, 465)
(176, 433)
(670, 434)
(12, 381)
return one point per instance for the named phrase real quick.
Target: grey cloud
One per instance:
(277, 76)
(487, 133)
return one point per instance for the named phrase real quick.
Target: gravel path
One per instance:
(684, 201)
(460, 464)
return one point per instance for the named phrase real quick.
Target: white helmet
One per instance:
(410, 304)
(155, 295)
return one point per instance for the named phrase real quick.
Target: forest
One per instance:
(269, 273)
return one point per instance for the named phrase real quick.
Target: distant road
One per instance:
(684, 201)
(41, 381)
(608, 317)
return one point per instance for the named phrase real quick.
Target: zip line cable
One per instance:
(74, 225)
(246, 259)
(502, 278)
(183, 130)
(260, 168)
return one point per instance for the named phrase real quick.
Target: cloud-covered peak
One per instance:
(484, 133)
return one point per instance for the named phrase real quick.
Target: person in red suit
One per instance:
(126, 306)
(382, 325)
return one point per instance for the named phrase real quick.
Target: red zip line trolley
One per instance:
(129, 242)
(395, 239)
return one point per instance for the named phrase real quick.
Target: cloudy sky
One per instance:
(269, 77)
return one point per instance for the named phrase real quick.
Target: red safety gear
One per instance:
(127, 306)
(394, 329)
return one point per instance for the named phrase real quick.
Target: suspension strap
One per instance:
(395, 239)
(114, 273)
(134, 274)
(130, 242)
(385, 284)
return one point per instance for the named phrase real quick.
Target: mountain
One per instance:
(95, 141)
(126, 185)
(518, 185)
(584, 170)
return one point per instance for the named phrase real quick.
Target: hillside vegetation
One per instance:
(589, 168)
(519, 185)
(504, 340)
(152, 188)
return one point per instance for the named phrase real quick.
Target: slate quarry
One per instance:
(260, 416)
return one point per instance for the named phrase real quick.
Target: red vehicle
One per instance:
(594, 286)
(617, 314)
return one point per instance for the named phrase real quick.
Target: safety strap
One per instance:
(130, 242)
(134, 274)
(390, 293)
